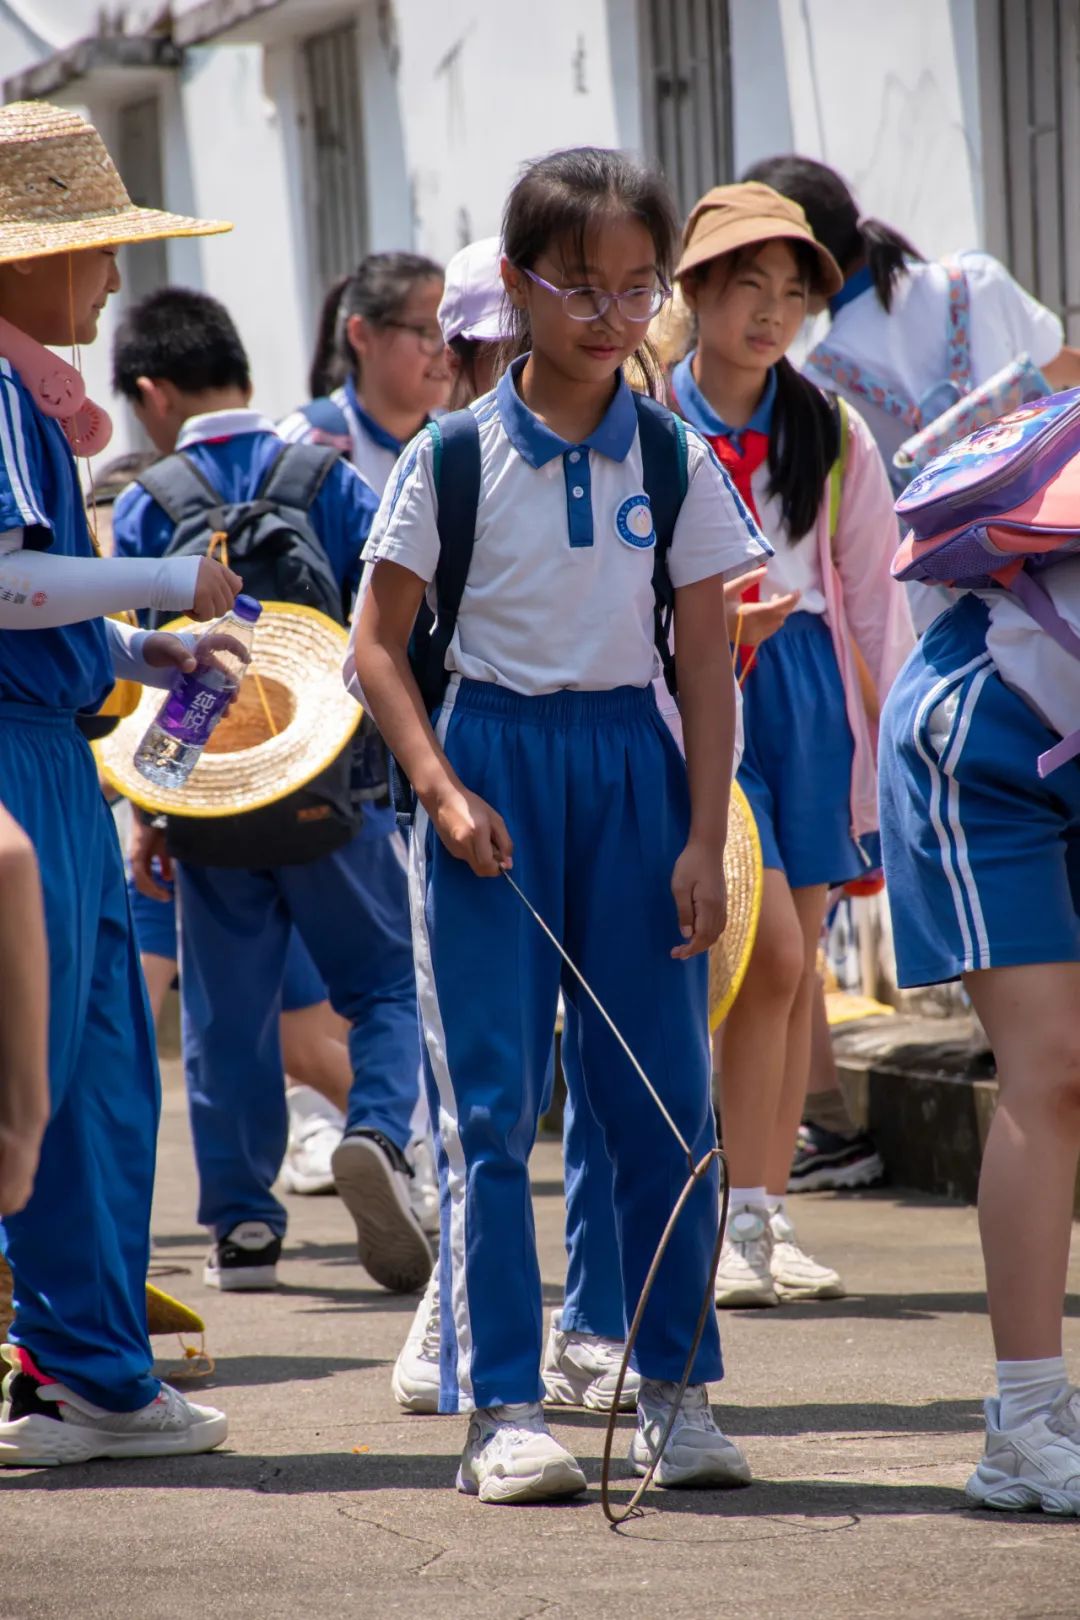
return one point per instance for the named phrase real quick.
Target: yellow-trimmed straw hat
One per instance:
(284, 728)
(730, 217)
(60, 190)
(730, 956)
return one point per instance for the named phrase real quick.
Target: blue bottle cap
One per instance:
(246, 607)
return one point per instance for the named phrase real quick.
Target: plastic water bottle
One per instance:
(174, 741)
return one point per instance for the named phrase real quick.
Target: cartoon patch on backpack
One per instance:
(634, 523)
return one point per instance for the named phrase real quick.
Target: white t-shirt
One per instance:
(792, 567)
(905, 348)
(1028, 659)
(559, 594)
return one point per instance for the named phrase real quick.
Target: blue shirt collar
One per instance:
(536, 444)
(853, 288)
(700, 414)
(374, 430)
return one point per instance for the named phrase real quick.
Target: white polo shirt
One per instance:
(559, 594)
(905, 347)
(372, 450)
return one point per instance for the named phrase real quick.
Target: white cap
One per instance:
(473, 298)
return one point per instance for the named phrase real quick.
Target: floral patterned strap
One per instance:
(857, 379)
(854, 378)
(958, 336)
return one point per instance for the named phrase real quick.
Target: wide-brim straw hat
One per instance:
(60, 191)
(730, 956)
(297, 656)
(731, 217)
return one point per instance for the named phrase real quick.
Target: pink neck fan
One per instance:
(58, 390)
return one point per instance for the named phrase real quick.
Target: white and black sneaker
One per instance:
(374, 1180)
(44, 1424)
(245, 1260)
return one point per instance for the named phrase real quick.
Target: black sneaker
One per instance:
(246, 1259)
(373, 1176)
(825, 1161)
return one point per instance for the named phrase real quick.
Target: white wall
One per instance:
(885, 92)
(482, 94)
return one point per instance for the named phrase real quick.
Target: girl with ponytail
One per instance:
(888, 345)
(380, 366)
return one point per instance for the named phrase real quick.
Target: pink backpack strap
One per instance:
(958, 331)
(852, 378)
(1036, 602)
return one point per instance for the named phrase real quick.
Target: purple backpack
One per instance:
(998, 509)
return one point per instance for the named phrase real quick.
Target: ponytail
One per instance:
(328, 368)
(804, 441)
(886, 252)
(833, 215)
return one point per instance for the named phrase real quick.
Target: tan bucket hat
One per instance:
(730, 956)
(60, 190)
(248, 763)
(730, 217)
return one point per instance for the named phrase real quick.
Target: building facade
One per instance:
(328, 128)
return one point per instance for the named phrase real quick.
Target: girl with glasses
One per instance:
(549, 754)
(380, 367)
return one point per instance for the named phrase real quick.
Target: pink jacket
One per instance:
(864, 604)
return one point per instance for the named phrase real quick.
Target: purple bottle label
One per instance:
(192, 710)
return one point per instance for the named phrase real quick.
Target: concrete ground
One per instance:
(861, 1419)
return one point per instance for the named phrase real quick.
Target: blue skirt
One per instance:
(796, 766)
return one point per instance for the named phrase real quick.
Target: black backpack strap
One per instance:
(664, 473)
(456, 440)
(295, 477)
(178, 487)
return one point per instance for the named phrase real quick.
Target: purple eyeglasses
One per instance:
(592, 303)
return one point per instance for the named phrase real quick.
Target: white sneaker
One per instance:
(744, 1275)
(315, 1129)
(796, 1274)
(373, 1179)
(415, 1380)
(582, 1370)
(424, 1187)
(696, 1452)
(43, 1424)
(511, 1456)
(1034, 1466)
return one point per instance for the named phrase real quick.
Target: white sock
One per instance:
(777, 1203)
(1027, 1388)
(752, 1197)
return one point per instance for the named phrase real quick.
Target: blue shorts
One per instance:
(982, 858)
(155, 934)
(796, 766)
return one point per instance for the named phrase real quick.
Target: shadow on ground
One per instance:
(343, 1472)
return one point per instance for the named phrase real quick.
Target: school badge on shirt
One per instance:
(634, 523)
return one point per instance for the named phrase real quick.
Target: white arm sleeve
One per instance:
(40, 590)
(126, 644)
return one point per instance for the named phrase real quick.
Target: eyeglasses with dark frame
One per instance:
(429, 338)
(638, 304)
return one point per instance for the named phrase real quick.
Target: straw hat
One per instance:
(60, 191)
(730, 956)
(297, 655)
(730, 217)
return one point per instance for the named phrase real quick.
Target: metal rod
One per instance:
(602, 1010)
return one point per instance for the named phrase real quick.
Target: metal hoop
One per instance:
(633, 1510)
